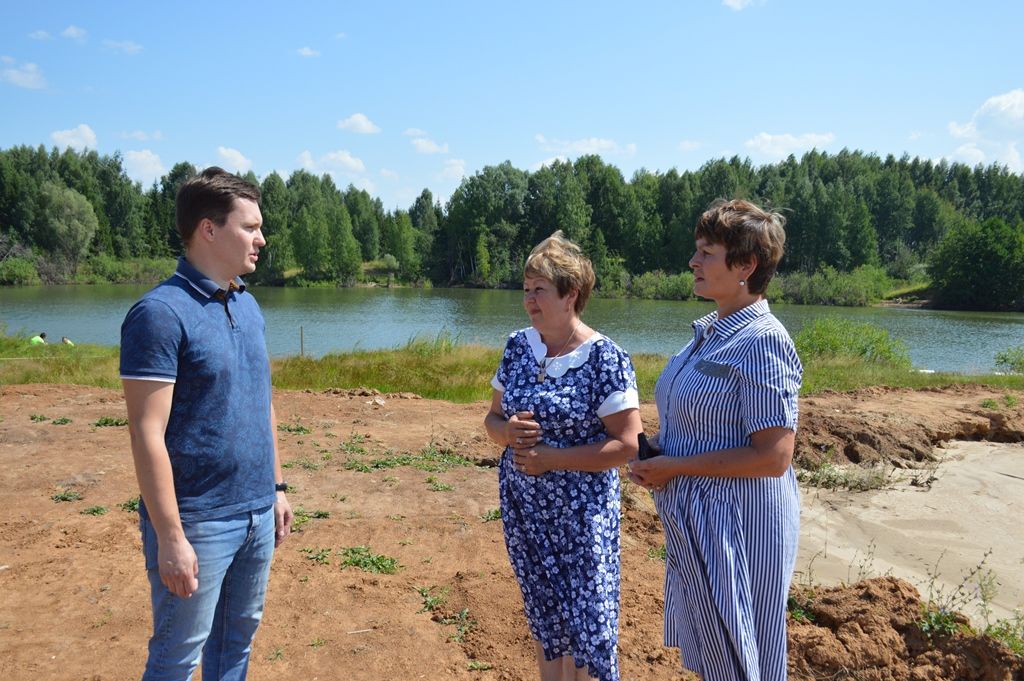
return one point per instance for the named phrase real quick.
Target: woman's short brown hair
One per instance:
(748, 232)
(562, 262)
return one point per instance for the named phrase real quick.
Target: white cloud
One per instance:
(454, 169)
(79, 138)
(307, 52)
(233, 159)
(915, 135)
(40, 35)
(340, 160)
(388, 173)
(429, 146)
(586, 145)
(548, 162)
(26, 76)
(993, 133)
(363, 183)
(737, 5)
(414, 132)
(74, 33)
(344, 160)
(125, 46)
(143, 136)
(4, 59)
(781, 146)
(358, 123)
(689, 145)
(144, 166)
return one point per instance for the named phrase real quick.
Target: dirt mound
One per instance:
(871, 631)
(378, 471)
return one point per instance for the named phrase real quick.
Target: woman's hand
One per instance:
(521, 431)
(533, 460)
(653, 473)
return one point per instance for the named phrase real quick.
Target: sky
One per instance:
(395, 97)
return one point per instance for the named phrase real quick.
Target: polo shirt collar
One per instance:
(200, 282)
(734, 322)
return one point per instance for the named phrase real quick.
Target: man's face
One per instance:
(237, 244)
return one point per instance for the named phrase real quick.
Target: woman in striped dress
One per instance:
(724, 484)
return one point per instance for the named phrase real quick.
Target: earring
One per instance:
(743, 282)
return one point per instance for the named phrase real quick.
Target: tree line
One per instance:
(911, 217)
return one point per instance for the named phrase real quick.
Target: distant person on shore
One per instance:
(196, 378)
(66, 341)
(38, 339)
(724, 484)
(566, 410)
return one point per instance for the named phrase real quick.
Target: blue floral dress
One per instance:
(562, 527)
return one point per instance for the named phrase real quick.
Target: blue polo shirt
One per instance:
(210, 344)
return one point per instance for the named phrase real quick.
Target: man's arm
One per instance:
(283, 515)
(149, 408)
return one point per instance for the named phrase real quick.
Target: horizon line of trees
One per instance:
(964, 226)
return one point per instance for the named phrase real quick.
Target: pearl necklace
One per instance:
(545, 362)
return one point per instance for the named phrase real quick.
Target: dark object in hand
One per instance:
(644, 448)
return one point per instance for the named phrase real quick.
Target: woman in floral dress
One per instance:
(565, 407)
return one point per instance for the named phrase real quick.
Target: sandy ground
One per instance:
(74, 597)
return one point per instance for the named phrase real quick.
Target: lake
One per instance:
(338, 320)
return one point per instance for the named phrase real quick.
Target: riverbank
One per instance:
(75, 596)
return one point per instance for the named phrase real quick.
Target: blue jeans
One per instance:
(220, 619)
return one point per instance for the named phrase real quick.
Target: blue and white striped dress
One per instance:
(730, 542)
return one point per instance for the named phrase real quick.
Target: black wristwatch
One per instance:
(281, 487)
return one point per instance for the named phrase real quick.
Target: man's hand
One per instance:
(283, 518)
(179, 567)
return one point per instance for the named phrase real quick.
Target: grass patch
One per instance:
(67, 495)
(84, 364)
(303, 462)
(301, 516)
(38, 418)
(367, 561)
(491, 515)
(660, 553)
(438, 486)
(62, 421)
(109, 422)
(463, 624)
(293, 428)
(318, 556)
(95, 510)
(433, 598)
(831, 476)
(431, 459)
(478, 666)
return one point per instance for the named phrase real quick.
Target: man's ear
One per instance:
(206, 229)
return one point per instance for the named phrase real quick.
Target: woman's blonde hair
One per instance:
(748, 232)
(562, 262)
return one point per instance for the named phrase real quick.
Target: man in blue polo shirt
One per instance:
(197, 385)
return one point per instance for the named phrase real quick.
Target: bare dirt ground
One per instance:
(74, 596)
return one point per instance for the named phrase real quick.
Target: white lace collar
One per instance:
(557, 366)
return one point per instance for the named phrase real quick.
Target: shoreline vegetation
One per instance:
(838, 355)
(859, 227)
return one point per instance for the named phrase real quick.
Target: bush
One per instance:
(1011, 360)
(831, 337)
(865, 285)
(661, 286)
(18, 272)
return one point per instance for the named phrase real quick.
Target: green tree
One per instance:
(980, 266)
(66, 223)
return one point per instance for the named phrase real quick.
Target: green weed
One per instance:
(108, 421)
(95, 510)
(659, 553)
(131, 506)
(831, 476)
(463, 624)
(799, 608)
(491, 515)
(302, 462)
(67, 495)
(293, 428)
(62, 421)
(318, 556)
(363, 558)
(38, 418)
(438, 486)
(989, 403)
(301, 516)
(276, 654)
(317, 643)
(478, 666)
(1010, 400)
(431, 601)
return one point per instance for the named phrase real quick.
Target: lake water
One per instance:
(337, 320)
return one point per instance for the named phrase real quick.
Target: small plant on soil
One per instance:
(107, 422)
(658, 553)
(431, 600)
(1010, 400)
(131, 506)
(302, 516)
(463, 624)
(367, 561)
(317, 643)
(318, 556)
(293, 428)
(942, 608)
(67, 495)
(491, 515)
(799, 608)
(989, 403)
(1011, 360)
(38, 418)
(302, 462)
(62, 421)
(276, 654)
(479, 666)
(95, 510)
(438, 486)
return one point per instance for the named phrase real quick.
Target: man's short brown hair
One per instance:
(210, 194)
(748, 232)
